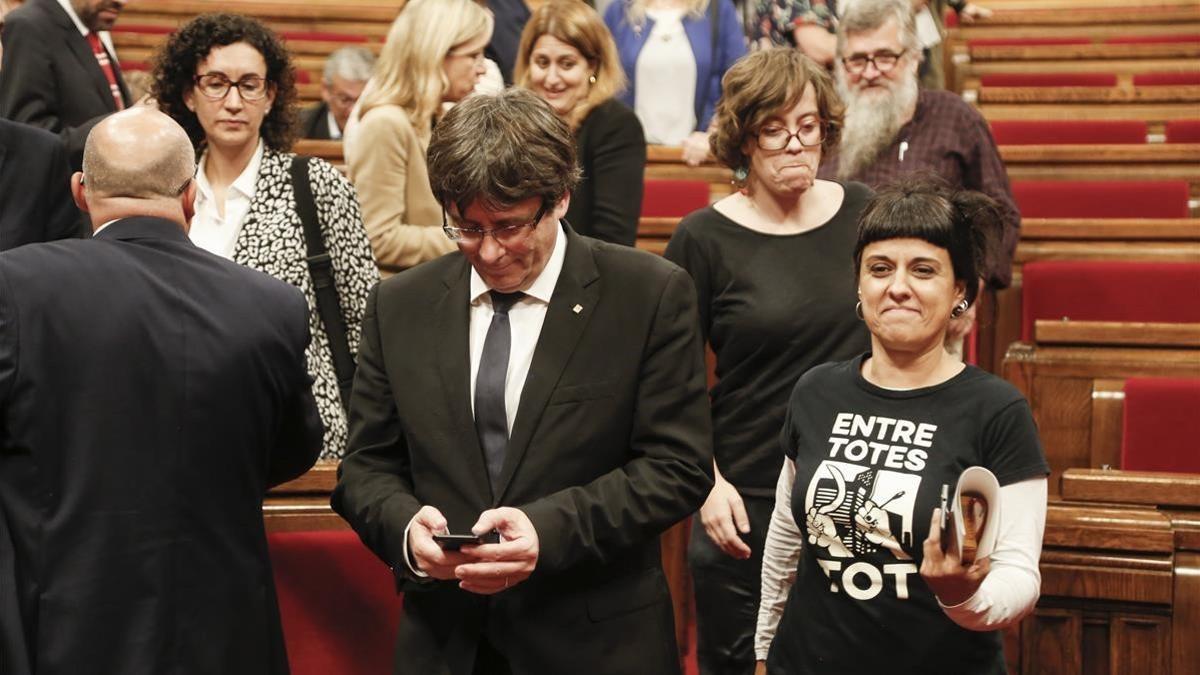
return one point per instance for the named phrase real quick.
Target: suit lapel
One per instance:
(561, 331)
(453, 319)
(82, 52)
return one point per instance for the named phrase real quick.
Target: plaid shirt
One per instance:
(950, 138)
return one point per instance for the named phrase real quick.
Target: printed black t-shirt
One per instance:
(870, 464)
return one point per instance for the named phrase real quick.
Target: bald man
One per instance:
(132, 469)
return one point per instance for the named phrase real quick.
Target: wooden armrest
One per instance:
(1131, 487)
(318, 481)
(1116, 333)
(1131, 229)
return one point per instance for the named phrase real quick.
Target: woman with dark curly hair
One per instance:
(776, 298)
(227, 79)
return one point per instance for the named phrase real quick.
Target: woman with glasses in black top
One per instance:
(776, 298)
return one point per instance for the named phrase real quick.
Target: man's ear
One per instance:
(560, 209)
(187, 201)
(78, 191)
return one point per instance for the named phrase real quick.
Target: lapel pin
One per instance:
(577, 309)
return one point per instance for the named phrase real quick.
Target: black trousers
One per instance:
(727, 594)
(488, 661)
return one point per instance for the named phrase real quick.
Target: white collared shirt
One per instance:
(83, 30)
(335, 132)
(525, 320)
(212, 232)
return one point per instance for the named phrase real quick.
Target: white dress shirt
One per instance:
(525, 319)
(335, 132)
(665, 86)
(210, 230)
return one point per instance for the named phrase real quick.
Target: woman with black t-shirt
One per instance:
(776, 298)
(855, 579)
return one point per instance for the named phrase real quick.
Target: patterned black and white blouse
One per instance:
(272, 241)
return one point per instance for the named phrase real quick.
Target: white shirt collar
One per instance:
(543, 286)
(335, 132)
(243, 184)
(66, 5)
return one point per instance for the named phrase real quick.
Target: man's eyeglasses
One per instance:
(216, 86)
(505, 236)
(810, 134)
(883, 61)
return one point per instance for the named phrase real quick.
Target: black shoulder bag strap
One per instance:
(320, 266)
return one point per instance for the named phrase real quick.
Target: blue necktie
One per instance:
(491, 419)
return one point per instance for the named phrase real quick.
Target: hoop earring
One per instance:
(959, 309)
(858, 311)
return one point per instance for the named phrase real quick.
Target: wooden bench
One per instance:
(1120, 577)
(1153, 240)
(1155, 105)
(1151, 161)
(1069, 374)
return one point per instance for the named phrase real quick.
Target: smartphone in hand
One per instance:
(453, 542)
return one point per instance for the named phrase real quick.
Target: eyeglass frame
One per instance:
(869, 59)
(824, 126)
(454, 234)
(230, 84)
(182, 188)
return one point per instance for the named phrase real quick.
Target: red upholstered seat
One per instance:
(321, 36)
(1183, 131)
(1027, 42)
(1162, 425)
(1102, 199)
(132, 66)
(1043, 132)
(1109, 291)
(1165, 79)
(1048, 80)
(338, 602)
(1152, 39)
(670, 198)
(302, 76)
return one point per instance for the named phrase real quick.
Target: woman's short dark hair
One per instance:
(964, 222)
(175, 72)
(501, 149)
(766, 83)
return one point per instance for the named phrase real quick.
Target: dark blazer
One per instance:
(150, 392)
(51, 79)
(314, 122)
(611, 446)
(35, 188)
(612, 153)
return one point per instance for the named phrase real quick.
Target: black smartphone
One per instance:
(453, 542)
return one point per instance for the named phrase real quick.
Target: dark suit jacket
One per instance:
(35, 188)
(50, 76)
(612, 153)
(149, 394)
(611, 445)
(314, 122)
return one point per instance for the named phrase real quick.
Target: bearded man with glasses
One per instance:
(539, 385)
(893, 128)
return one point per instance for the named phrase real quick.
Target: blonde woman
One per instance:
(675, 53)
(419, 69)
(568, 58)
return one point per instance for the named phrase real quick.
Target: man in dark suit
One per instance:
(58, 72)
(541, 384)
(150, 392)
(346, 73)
(35, 188)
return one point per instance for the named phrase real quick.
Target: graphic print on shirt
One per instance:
(859, 503)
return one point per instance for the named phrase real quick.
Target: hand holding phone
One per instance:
(454, 542)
